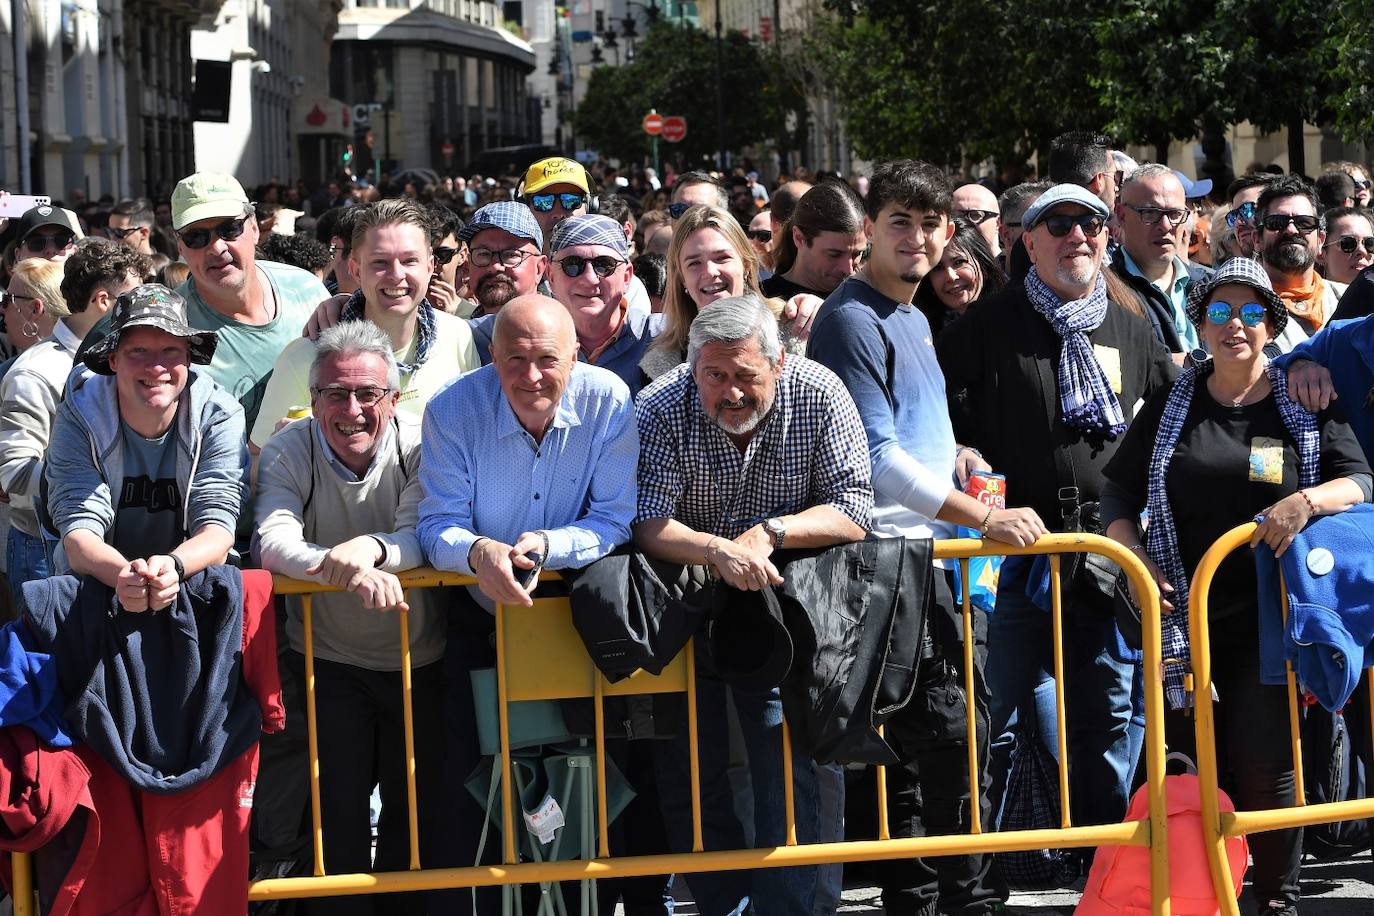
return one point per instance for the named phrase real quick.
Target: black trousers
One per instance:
(929, 794)
(361, 740)
(1253, 753)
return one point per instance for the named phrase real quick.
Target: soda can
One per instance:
(988, 488)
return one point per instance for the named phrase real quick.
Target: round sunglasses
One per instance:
(1251, 313)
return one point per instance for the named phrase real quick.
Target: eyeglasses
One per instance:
(366, 396)
(1251, 313)
(443, 255)
(604, 265)
(336, 250)
(676, 210)
(1245, 213)
(760, 235)
(124, 233)
(977, 217)
(1349, 243)
(569, 202)
(41, 243)
(229, 230)
(1061, 225)
(7, 299)
(1151, 215)
(1278, 222)
(509, 257)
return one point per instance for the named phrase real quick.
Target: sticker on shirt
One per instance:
(1109, 358)
(1266, 460)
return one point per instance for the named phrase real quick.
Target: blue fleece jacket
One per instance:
(1328, 572)
(1346, 348)
(29, 693)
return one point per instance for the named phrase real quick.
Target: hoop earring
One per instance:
(30, 330)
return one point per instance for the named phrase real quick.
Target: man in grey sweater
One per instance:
(337, 501)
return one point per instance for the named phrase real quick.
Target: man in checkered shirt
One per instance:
(744, 449)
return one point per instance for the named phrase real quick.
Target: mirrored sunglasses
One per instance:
(1251, 313)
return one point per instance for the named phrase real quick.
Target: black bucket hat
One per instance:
(749, 643)
(155, 306)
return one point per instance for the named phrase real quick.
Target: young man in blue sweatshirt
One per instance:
(869, 335)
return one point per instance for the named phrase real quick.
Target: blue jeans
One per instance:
(27, 558)
(1097, 697)
(772, 891)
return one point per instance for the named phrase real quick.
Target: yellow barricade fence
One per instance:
(1219, 826)
(541, 657)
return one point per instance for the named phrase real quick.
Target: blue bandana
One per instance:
(424, 328)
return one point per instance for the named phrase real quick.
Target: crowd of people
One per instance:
(497, 377)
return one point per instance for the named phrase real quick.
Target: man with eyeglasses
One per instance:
(131, 224)
(505, 254)
(554, 189)
(1044, 378)
(978, 205)
(1290, 235)
(1152, 213)
(47, 232)
(1243, 193)
(335, 229)
(393, 266)
(338, 499)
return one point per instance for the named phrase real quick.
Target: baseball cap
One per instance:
(511, 215)
(206, 195)
(47, 215)
(150, 305)
(555, 170)
(1062, 194)
(590, 230)
(1193, 189)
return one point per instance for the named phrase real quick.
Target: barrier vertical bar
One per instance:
(970, 703)
(788, 786)
(880, 779)
(1057, 622)
(408, 716)
(1294, 725)
(503, 722)
(692, 744)
(1151, 639)
(312, 735)
(22, 886)
(604, 830)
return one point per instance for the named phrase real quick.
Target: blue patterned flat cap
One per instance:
(590, 230)
(511, 215)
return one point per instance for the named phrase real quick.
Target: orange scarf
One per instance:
(1306, 303)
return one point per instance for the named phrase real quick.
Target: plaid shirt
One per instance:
(810, 450)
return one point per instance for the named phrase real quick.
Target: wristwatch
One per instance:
(775, 527)
(179, 566)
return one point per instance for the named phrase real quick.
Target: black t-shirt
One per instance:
(779, 287)
(1230, 464)
(1358, 300)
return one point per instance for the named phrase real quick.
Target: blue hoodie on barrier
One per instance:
(1328, 572)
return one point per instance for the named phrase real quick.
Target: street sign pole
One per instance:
(654, 141)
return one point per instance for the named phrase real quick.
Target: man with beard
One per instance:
(1289, 237)
(1043, 378)
(744, 448)
(505, 254)
(869, 334)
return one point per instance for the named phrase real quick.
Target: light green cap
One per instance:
(206, 195)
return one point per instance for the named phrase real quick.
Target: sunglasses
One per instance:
(443, 255)
(41, 243)
(760, 235)
(569, 202)
(1151, 215)
(1349, 244)
(509, 257)
(1278, 222)
(1360, 185)
(124, 233)
(1061, 225)
(1245, 213)
(603, 265)
(7, 299)
(367, 396)
(977, 217)
(229, 230)
(1251, 313)
(676, 210)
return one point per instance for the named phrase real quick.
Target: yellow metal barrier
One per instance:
(541, 657)
(1218, 826)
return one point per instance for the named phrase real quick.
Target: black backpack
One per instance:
(1332, 771)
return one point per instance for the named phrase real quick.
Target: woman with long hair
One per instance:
(967, 271)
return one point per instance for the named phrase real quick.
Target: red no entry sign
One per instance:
(653, 123)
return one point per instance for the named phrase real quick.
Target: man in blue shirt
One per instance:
(525, 462)
(869, 335)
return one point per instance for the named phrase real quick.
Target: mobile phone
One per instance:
(532, 577)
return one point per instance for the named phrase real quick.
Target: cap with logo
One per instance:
(509, 215)
(555, 170)
(155, 306)
(47, 215)
(207, 195)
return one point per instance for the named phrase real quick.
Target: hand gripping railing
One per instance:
(541, 657)
(1218, 826)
